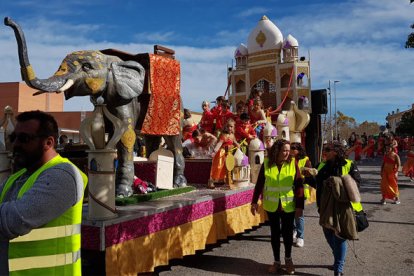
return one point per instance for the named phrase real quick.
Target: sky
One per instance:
(359, 43)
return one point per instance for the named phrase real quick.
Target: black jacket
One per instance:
(332, 169)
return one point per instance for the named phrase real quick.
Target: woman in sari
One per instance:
(389, 174)
(408, 168)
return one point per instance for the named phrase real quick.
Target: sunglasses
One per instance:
(328, 149)
(23, 138)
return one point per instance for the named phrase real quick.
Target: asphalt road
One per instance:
(385, 248)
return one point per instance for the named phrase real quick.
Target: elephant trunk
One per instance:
(48, 85)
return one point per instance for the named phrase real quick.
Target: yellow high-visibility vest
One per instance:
(279, 186)
(357, 206)
(54, 248)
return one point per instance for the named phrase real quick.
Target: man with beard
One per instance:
(41, 203)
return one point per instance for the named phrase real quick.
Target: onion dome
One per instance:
(256, 145)
(241, 50)
(290, 41)
(265, 36)
(269, 130)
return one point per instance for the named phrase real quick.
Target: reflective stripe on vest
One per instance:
(357, 206)
(279, 187)
(302, 164)
(53, 248)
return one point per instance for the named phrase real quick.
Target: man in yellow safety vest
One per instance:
(40, 203)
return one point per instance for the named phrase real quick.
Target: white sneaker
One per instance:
(294, 236)
(300, 242)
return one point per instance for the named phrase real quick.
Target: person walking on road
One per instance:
(334, 165)
(389, 175)
(298, 152)
(408, 168)
(281, 183)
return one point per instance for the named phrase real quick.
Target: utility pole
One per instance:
(336, 123)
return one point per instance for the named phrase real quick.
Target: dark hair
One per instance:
(220, 98)
(299, 148)
(196, 133)
(275, 150)
(187, 113)
(338, 148)
(258, 101)
(47, 124)
(225, 103)
(244, 116)
(240, 104)
(63, 138)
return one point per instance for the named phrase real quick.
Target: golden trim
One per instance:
(304, 70)
(128, 139)
(268, 73)
(261, 38)
(271, 57)
(270, 51)
(30, 72)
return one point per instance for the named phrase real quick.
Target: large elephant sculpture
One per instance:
(120, 82)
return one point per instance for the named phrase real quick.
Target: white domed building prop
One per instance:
(256, 157)
(270, 63)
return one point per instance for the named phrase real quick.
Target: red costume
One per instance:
(207, 121)
(244, 130)
(222, 118)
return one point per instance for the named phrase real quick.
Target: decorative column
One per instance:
(102, 160)
(7, 126)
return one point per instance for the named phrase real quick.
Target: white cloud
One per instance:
(151, 37)
(253, 11)
(359, 43)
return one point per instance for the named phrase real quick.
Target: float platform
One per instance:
(152, 233)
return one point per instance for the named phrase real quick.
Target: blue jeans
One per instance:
(300, 227)
(338, 247)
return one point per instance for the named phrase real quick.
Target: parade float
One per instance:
(130, 93)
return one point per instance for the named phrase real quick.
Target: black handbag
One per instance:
(361, 221)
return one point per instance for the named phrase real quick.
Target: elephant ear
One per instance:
(128, 78)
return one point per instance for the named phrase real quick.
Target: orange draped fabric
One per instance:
(389, 186)
(163, 115)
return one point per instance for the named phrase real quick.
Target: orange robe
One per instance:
(218, 167)
(408, 168)
(389, 186)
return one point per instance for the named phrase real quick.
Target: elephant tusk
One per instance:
(66, 86)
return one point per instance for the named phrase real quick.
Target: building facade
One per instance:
(394, 118)
(20, 98)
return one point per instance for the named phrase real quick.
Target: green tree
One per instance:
(410, 40)
(406, 125)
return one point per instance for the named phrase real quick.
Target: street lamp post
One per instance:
(330, 111)
(336, 123)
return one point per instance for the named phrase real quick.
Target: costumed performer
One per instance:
(207, 119)
(389, 175)
(408, 167)
(226, 143)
